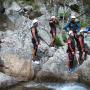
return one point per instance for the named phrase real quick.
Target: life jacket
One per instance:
(73, 26)
(71, 44)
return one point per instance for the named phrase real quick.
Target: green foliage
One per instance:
(64, 37)
(84, 24)
(58, 41)
(65, 14)
(75, 7)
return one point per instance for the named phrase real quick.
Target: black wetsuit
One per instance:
(53, 27)
(71, 48)
(33, 39)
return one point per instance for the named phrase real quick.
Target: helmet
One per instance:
(53, 17)
(81, 30)
(70, 32)
(73, 17)
(34, 21)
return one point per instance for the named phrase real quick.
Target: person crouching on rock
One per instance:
(53, 22)
(71, 50)
(81, 47)
(35, 38)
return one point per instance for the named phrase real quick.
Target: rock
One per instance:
(84, 71)
(47, 76)
(28, 8)
(36, 86)
(51, 51)
(6, 80)
(34, 14)
(18, 67)
(56, 68)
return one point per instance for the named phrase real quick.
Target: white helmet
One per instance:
(53, 17)
(70, 32)
(34, 21)
(73, 17)
(81, 30)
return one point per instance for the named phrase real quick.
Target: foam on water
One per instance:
(71, 86)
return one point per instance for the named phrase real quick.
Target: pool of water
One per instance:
(49, 86)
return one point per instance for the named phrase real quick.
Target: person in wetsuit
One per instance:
(82, 47)
(35, 38)
(74, 26)
(53, 22)
(71, 50)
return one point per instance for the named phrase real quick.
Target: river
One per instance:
(49, 86)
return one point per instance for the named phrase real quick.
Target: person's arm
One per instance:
(69, 44)
(50, 21)
(78, 26)
(56, 21)
(66, 27)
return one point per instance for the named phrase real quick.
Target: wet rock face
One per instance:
(2, 10)
(55, 69)
(84, 71)
(3, 22)
(17, 67)
(47, 76)
(34, 14)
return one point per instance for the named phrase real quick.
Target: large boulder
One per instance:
(18, 67)
(55, 69)
(6, 80)
(84, 71)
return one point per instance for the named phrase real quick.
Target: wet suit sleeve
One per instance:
(67, 27)
(70, 46)
(78, 26)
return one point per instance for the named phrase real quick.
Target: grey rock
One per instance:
(6, 80)
(84, 71)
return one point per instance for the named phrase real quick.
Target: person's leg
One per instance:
(34, 51)
(85, 55)
(86, 51)
(70, 61)
(80, 59)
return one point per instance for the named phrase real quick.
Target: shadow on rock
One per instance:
(44, 76)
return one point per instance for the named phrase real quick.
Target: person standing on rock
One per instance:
(53, 22)
(35, 38)
(71, 50)
(74, 26)
(81, 47)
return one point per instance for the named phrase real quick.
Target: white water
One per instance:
(55, 86)
(71, 87)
